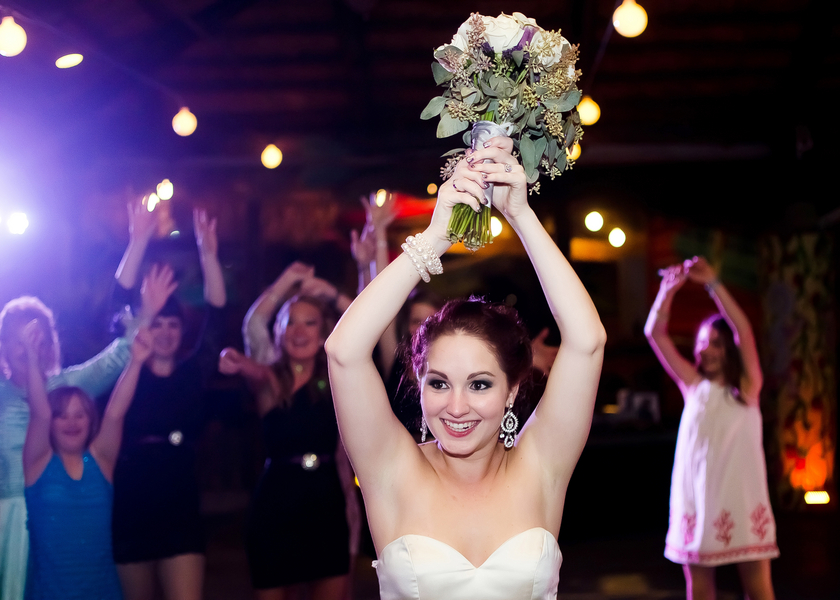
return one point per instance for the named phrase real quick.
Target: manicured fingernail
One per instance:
(486, 144)
(486, 185)
(469, 160)
(484, 175)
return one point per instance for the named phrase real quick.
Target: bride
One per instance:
(475, 513)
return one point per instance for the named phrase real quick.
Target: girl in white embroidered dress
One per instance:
(465, 490)
(720, 510)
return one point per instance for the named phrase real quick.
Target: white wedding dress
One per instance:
(417, 567)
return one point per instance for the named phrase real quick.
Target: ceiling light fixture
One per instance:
(12, 37)
(630, 19)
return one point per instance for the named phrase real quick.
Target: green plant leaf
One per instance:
(566, 102)
(441, 75)
(551, 150)
(539, 150)
(561, 161)
(518, 56)
(469, 95)
(570, 133)
(527, 150)
(449, 126)
(433, 108)
(488, 91)
(439, 53)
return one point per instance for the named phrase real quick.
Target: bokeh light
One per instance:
(17, 223)
(184, 123)
(816, 497)
(68, 61)
(588, 110)
(271, 157)
(381, 197)
(617, 238)
(594, 221)
(432, 189)
(12, 37)
(496, 226)
(630, 19)
(152, 201)
(574, 152)
(165, 190)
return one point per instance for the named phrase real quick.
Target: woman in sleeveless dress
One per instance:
(68, 465)
(720, 509)
(297, 531)
(471, 515)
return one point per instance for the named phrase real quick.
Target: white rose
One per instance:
(459, 40)
(502, 32)
(523, 20)
(550, 60)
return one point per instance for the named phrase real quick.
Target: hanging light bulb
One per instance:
(68, 61)
(630, 19)
(496, 226)
(589, 111)
(184, 123)
(594, 221)
(271, 157)
(431, 189)
(573, 152)
(12, 37)
(165, 189)
(617, 238)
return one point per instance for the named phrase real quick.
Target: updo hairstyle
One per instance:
(497, 325)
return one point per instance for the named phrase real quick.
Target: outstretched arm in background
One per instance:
(142, 225)
(37, 450)
(700, 271)
(208, 252)
(656, 329)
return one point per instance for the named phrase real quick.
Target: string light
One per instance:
(589, 111)
(496, 226)
(184, 123)
(165, 190)
(617, 238)
(153, 201)
(630, 19)
(12, 37)
(594, 221)
(271, 157)
(68, 61)
(381, 197)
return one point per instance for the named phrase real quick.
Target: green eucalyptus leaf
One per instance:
(441, 74)
(570, 133)
(527, 150)
(449, 126)
(433, 108)
(469, 95)
(532, 177)
(551, 150)
(561, 161)
(488, 90)
(441, 51)
(539, 149)
(518, 56)
(540, 90)
(567, 101)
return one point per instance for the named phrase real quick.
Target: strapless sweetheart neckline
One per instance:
(464, 558)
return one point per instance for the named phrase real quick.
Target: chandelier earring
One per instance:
(509, 426)
(424, 429)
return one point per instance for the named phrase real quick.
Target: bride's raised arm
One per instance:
(376, 442)
(558, 429)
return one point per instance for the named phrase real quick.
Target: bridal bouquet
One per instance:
(506, 75)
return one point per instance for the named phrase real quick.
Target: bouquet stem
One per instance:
(465, 225)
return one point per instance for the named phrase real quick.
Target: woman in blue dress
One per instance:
(68, 465)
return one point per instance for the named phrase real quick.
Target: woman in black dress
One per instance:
(157, 529)
(298, 528)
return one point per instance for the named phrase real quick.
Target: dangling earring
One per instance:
(509, 426)
(424, 429)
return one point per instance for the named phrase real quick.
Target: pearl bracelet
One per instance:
(423, 256)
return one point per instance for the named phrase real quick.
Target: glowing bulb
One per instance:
(271, 157)
(381, 197)
(152, 202)
(594, 221)
(496, 226)
(630, 19)
(12, 37)
(184, 123)
(69, 60)
(573, 152)
(617, 238)
(589, 111)
(165, 190)
(431, 189)
(17, 223)
(816, 498)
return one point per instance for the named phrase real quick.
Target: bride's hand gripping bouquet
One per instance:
(505, 75)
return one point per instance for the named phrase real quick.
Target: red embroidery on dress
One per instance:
(724, 525)
(760, 518)
(689, 522)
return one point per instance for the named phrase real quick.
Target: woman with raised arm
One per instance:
(158, 532)
(471, 515)
(720, 509)
(297, 530)
(68, 461)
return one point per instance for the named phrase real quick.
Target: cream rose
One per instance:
(502, 32)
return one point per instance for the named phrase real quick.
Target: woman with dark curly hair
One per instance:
(474, 514)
